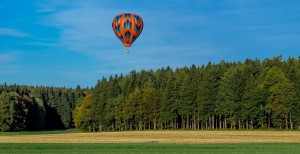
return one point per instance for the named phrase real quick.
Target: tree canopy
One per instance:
(228, 95)
(253, 94)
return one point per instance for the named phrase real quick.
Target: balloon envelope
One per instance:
(127, 27)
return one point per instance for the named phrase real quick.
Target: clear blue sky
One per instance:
(70, 42)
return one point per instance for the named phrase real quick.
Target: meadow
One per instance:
(145, 148)
(74, 141)
(164, 137)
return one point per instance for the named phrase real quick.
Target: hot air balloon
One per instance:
(127, 27)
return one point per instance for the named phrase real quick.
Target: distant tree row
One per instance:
(229, 95)
(37, 108)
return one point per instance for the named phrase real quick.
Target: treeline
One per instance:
(37, 108)
(253, 94)
(229, 95)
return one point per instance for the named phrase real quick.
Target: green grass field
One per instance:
(66, 148)
(39, 132)
(74, 141)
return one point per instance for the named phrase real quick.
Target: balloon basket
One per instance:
(127, 50)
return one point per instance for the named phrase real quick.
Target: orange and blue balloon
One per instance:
(127, 27)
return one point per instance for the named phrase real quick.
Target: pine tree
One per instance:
(150, 100)
(281, 94)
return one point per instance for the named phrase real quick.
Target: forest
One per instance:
(254, 94)
(37, 108)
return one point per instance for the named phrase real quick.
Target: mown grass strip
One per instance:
(48, 148)
(39, 132)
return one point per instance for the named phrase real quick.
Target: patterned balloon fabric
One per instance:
(127, 27)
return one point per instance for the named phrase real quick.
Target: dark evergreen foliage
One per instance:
(250, 95)
(241, 95)
(37, 108)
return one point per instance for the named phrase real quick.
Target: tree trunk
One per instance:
(194, 123)
(130, 125)
(291, 122)
(213, 122)
(187, 122)
(269, 121)
(216, 122)
(220, 122)
(225, 124)
(94, 127)
(239, 123)
(165, 126)
(190, 123)
(286, 122)
(126, 125)
(174, 124)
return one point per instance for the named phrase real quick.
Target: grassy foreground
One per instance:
(74, 141)
(49, 148)
(24, 133)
